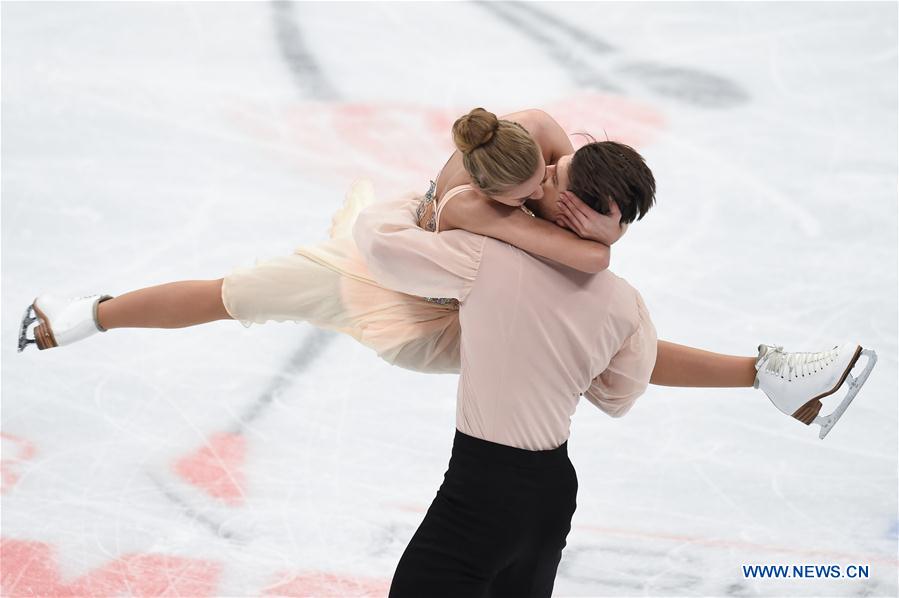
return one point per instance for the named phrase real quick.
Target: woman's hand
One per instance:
(586, 222)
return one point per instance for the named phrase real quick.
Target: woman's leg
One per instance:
(678, 365)
(172, 305)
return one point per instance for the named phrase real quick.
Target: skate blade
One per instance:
(27, 320)
(854, 383)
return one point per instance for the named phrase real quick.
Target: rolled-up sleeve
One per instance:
(403, 257)
(617, 388)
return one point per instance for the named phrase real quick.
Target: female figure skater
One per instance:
(500, 165)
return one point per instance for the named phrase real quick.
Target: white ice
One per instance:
(150, 142)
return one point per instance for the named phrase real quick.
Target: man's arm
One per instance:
(616, 389)
(587, 223)
(405, 258)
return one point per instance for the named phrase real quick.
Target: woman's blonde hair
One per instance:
(498, 154)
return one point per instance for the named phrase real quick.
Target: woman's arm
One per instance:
(549, 135)
(534, 235)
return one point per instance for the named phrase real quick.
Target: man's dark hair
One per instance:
(605, 170)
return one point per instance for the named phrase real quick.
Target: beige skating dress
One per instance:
(329, 286)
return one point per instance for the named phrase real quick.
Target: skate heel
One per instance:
(43, 335)
(808, 412)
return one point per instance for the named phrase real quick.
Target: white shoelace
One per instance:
(797, 365)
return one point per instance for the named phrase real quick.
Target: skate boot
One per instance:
(796, 382)
(60, 321)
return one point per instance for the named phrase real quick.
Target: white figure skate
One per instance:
(61, 321)
(796, 382)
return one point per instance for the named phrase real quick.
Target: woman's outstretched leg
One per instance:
(678, 365)
(62, 321)
(172, 305)
(795, 382)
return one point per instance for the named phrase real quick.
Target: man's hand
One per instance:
(587, 223)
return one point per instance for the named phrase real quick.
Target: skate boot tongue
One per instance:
(765, 351)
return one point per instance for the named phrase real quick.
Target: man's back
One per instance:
(535, 335)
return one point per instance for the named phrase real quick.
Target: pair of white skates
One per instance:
(795, 382)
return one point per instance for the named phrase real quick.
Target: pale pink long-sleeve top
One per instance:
(536, 335)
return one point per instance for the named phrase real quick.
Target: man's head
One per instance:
(597, 173)
(608, 170)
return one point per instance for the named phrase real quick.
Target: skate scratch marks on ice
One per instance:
(683, 84)
(313, 346)
(26, 451)
(741, 177)
(216, 528)
(216, 468)
(302, 64)
(580, 72)
(31, 569)
(725, 543)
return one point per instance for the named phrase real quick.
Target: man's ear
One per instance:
(573, 198)
(582, 205)
(614, 210)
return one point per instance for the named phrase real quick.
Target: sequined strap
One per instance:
(428, 200)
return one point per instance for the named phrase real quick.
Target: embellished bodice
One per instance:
(428, 205)
(427, 217)
(428, 202)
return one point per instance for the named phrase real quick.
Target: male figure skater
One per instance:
(535, 335)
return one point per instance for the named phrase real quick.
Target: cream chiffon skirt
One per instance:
(328, 285)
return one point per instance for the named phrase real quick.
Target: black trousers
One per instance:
(497, 526)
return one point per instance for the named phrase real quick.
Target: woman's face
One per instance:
(541, 192)
(530, 189)
(545, 203)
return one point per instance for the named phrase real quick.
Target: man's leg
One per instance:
(532, 576)
(440, 560)
(678, 365)
(497, 505)
(533, 572)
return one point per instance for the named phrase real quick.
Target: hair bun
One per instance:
(474, 129)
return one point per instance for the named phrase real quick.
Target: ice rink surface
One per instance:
(150, 142)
